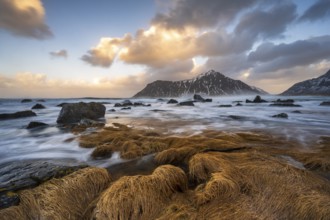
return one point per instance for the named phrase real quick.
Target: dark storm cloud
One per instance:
(24, 18)
(271, 57)
(197, 13)
(317, 11)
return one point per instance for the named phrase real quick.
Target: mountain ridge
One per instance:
(314, 86)
(210, 83)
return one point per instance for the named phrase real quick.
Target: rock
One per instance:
(225, 106)
(161, 100)
(325, 104)
(157, 110)
(38, 106)
(248, 101)
(74, 112)
(15, 115)
(126, 108)
(297, 111)
(198, 98)
(281, 115)
(125, 103)
(62, 104)
(172, 101)
(111, 110)
(26, 100)
(36, 124)
(284, 100)
(208, 100)
(288, 104)
(90, 123)
(258, 99)
(236, 117)
(187, 103)
(20, 175)
(141, 104)
(41, 100)
(239, 104)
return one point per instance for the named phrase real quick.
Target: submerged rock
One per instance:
(225, 106)
(281, 115)
(21, 114)
(74, 112)
(126, 108)
(26, 100)
(187, 103)
(172, 101)
(325, 104)
(36, 124)
(288, 104)
(297, 112)
(38, 106)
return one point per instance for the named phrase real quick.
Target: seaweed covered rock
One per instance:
(74, 112)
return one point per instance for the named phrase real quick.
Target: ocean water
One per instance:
(55, 143)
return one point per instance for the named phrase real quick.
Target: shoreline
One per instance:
(241, 175)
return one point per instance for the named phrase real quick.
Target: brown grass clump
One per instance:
(140, 197)
(66, 198)
(175, 156)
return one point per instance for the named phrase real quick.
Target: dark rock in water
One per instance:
(281, 115)
(236, 117)
(157, 110)
(284, 101)
(239, 104)
(187, 103)
(288, 104)
(225, 106)
(172, 101)
(41, 100)
(248, 101)
(111, 110)
(258, 99)
(74, 112)
(26, 100)
(126, 108)
(141, 104)
(325, 104)
(208, 100)
(20, 175)
(125, 103)
(198, 98)
(36, 124)
(161, 100)
(297, 112)
(62, 104)
(38, 106)
(15, 115)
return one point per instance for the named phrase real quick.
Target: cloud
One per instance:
(106, 51)
(317, 11)
(201, 14)
(27, 84)
(61, 53)
(24, 18)
(271, 57)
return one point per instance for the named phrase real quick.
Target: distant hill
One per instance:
(316, 86)
(211, 83)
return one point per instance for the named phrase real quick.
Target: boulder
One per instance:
(258, 99)
(284, 101)
(325, 104)
(126, 108)
(187, 103)
(225, 106)
(74, 112)
(125, 103)
(198, 98)
(284, 104)
(26, 100)
(172, 101)
(281, 115)
(21, 114)
(208, 100)
(20, 175)
(248, 101)
(112, 110)
(38, 106)
(36, 124)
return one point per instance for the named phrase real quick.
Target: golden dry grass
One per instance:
(140, 197)
(66, 198)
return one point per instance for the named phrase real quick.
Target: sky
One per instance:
(109, 48)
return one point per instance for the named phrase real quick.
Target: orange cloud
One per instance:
(24, 18)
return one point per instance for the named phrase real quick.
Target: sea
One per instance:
(17, 143)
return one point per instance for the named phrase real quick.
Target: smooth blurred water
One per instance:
(18, 143)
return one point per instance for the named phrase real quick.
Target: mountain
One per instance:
(315, 86)
(211, 83)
